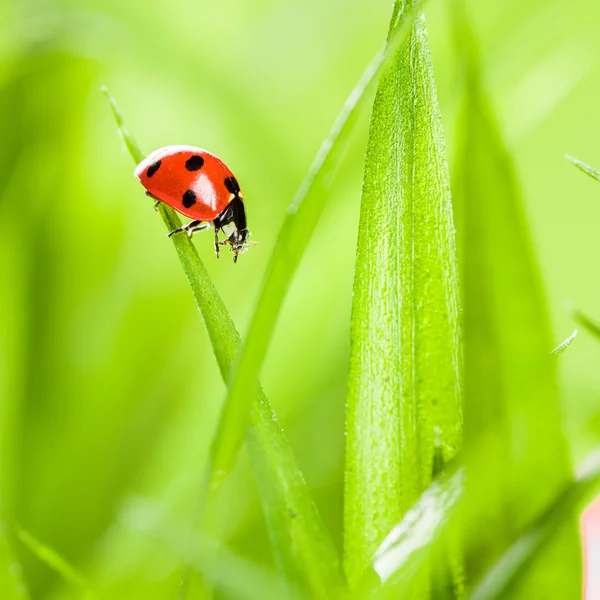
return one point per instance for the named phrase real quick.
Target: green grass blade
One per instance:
(242, 577)
(403, 401)
(518, 459)
(565, 344)
(507, 574)
(56, 562)
(406, 549)
(302, 544)
(587, 323)
(12, 584)
(131, 144)
(301, 219)
(593, 173)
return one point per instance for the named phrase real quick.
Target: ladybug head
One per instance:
(232, 221)
(238, 240)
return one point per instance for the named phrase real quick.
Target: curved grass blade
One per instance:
(242, 577)
(302, 545)
(516, 452)
(565, 344)
(403, 553)
(421, 536)
(403, 402)
(56, 562)
(12, 584)
(509, 571)
(532, 101)
(298, 226)
(587, 323)
(593, 173)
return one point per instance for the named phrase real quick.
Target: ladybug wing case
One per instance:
(187, 179)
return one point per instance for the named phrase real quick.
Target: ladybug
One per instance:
(200, 186)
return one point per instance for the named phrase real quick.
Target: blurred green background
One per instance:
(108, 385)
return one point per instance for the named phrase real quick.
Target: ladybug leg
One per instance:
(217, 242)
(155, 198)
(190, 228)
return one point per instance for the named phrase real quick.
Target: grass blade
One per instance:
(587, 323)
(564, 344)
(518, 458)
(506, 575)
(404, 551)
(301, 219)
(11, 579)
(403, 402)
(56, 562)
(593, 173)
(239, 577)
(302, 544)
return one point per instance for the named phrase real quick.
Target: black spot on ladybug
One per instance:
(189, 198)
(194, 163)
(232, 185)
(153, 168)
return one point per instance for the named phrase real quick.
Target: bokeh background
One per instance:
(108, 386)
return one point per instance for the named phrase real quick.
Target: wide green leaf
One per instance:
(517, 456)
(403, 404)
(302, 545)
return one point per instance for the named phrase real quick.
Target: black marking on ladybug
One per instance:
(232, 185)
(153, 168)
(194, 163)
(189, 198)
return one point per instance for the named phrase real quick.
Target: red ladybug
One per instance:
(200, 186)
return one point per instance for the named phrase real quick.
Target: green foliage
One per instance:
(581, 318)
(304, 550)
(403, 405)
(564, 344)
(504, 578)
(56, 562)
(301, 219)
(593, 173)
(402, 559)
(110, 386)
(513, 423)
(11, 581)
(588, 324)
